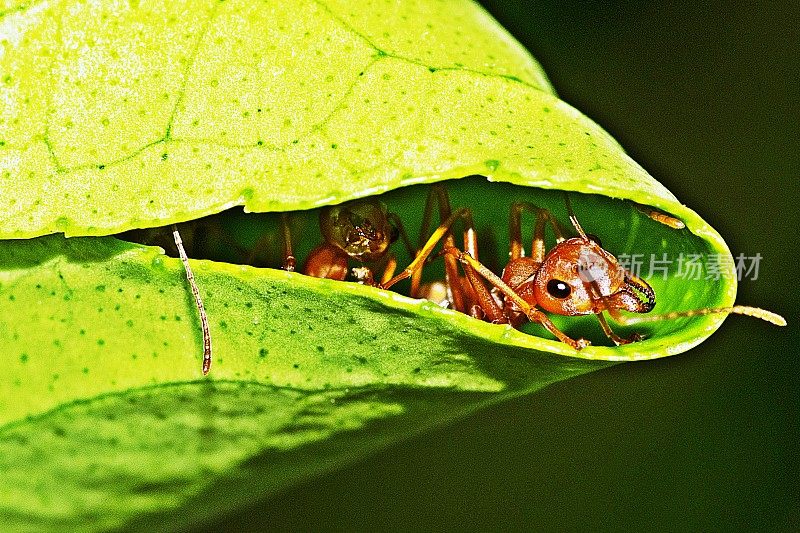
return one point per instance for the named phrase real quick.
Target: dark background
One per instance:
(706, 98)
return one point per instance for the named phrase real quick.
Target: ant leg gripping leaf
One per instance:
(117, 116)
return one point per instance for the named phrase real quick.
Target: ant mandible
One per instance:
(576, 277)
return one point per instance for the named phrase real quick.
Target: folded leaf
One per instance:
(133, 116)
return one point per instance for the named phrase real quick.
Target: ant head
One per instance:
(579, 277)
(564, 282)
(360, 228)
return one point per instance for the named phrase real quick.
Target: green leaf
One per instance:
(103, 418)
(150, 117)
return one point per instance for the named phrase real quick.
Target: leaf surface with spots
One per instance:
(119, 116)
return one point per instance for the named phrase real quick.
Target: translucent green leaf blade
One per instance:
(95, 404)
(172, 118)
(139, 115)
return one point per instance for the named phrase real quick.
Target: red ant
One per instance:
(362, 231)
(576, 277)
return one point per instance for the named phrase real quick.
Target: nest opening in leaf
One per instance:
(658, 253)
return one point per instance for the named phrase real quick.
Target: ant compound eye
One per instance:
(595, 239)
(558, 289)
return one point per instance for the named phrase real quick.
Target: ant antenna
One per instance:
(755, 312)
(197, 300)
(574, 220)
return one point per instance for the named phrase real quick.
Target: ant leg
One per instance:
(388, 271)
(197, 300)
(533, 314)
(412, 252)
(439, 194)
(658, 216)
(755, 312)
(515, 230)
(597, 294)
(289, 261)
(485, 307)
(464, 295)
(474, 288)
(416, 280)
(613, 336)
(427, 214)
(397, 223)
(426, 250)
